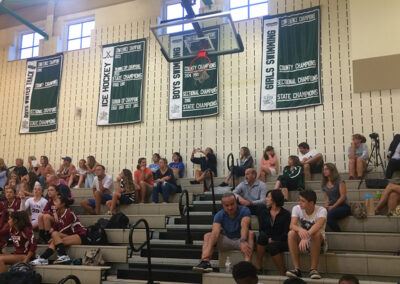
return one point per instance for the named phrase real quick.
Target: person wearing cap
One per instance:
(67, 169)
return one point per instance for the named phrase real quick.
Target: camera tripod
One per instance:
(376, 157)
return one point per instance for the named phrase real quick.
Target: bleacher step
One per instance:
(155, 221)
(185, 276)
(52, 274)
(176, 251)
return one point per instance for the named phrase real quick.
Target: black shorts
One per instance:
(127, 198)
(289, 183)
(84, 240)
(316, 169)
(274, 248)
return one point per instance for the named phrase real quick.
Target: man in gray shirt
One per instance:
(251, 192)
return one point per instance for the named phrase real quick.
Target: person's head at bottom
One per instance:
(348, 279)
(245, 273)
(294, 280)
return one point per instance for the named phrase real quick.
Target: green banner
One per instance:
(291, 60)
(42, 86)
(193, 94)
(121, 83)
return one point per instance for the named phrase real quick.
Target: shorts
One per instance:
(273, 171)
(84, 240)
(224, 243)
(316, 169)
(105, 198)
(127, 198)
(273, 248)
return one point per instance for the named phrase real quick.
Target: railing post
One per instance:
(189, 240)
(231, 164)
(211, 186)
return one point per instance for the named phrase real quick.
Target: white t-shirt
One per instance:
(307, 221)
(81, 172)
(309, 155)
(107, 183)
(35, 207)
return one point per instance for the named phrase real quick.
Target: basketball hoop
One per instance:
(200, 54)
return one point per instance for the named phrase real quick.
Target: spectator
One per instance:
(91, 165)
(348, 279)
(245, 162)
(358, 156)
(143, 180)
(67, 231)
(102, 191)
(11, 204)
(14, 181)
(209, 161)
(49, 215)
(3, 174)
(292, 177)
(245, 273)
(390, 198)
(230, 230)
(33, 164)
(44, 170)
(307, 233)
(29, 181)
(274, 227)
(269, 165)
(177, 165)
(311, 160)
(154, 167)
(334, 190)
(251, 192)
(164, 182)
(23, 240)
(60, 187)
(19, 168)
(125, 193)
(36, 205)
(79, 176)
(67, 169)
(394, 157)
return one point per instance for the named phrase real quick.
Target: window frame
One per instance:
(248, 5)
(164, 15)
(80, 21)
(32, 47)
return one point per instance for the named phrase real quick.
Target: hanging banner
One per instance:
(42, 87)
(291, 60)
(193, 94)
(121, 86)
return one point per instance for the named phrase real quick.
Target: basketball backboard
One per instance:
(196, 37)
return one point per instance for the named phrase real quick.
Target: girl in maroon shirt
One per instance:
(67, 231)
(23, 240)
(11, 204)
(48, 216)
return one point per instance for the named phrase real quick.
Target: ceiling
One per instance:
(16, 5)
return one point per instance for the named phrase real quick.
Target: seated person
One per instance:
(251, 192)
(47, 218)
(29, 181)
(143, 180)
(36, 205)
(245, 273)
(274, 228)
(125, 193)
(154, 166)
(230, 231)
(44, 170)
(102, 191)
(67, 169)
(358, 156)
(33, 164)
(23, 240)
(11, 204)
(177, 165)
(91, 165)
(3, 174)
(66, 231)
(19, 168)
(246, 161)
(334, 190)
(164, 182)
(394, 157)
(390, 198)
(307, 233)
(209, 161)
(292, 177)
(311, 160)
(269, 165)
(60, 187)
(80, 175)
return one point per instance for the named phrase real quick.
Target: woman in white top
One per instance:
(80, 174)
(358, 156)
(36, 205)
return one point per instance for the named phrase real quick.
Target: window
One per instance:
(79, 35)
(29, 45)
(176, 11)
(247, 9)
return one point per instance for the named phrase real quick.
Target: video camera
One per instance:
(374, 136)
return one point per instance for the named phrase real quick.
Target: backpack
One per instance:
(20, 273)
(93, 257)
(96, 235)
(102, 222)
(376, 183)
(358, 210)
(118, 221)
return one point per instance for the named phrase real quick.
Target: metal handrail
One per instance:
(183, 210)
(211, 186)
(231, 165)
(146, 243)
(70, 277)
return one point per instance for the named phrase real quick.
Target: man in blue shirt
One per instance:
(230, 231)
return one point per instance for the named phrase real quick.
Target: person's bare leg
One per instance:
(208, 246)
(9, 259)
(315, 249)
(98, 196)
(280, 263)
(307, 172)
(48, 221)
(277, 185)
(114, 202)
(35, 226)
(352, 168)
(41, 221)
(385, 196)
(262, 174)
(199, 176)
(250, 240)
(293, 242)
(285, 193)
(143, 190)
(80, 180)
(86, 205)
(393, 201)
(260, 256)
(70, 180)
(361, 163)
(228, 177)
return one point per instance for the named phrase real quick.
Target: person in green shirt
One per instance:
(292, 177)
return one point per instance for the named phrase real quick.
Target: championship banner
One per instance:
(42, 87)
(191, 94)
(121, 83)
(291, 60)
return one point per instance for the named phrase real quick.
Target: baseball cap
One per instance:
(67, 159)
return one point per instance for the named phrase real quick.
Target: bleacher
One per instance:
(366, 248)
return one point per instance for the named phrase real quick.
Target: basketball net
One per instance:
(199, 71)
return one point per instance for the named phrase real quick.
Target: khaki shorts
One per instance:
(224, 243)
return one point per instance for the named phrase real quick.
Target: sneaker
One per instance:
(76, 186)
(109, 213)
(293, 273)
(62, 259)
(39, 261)
(203, 266)
(194, 182)
(223, 184)
(314, 274)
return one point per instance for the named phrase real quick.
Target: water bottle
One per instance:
(378, 195)
(228, 265)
